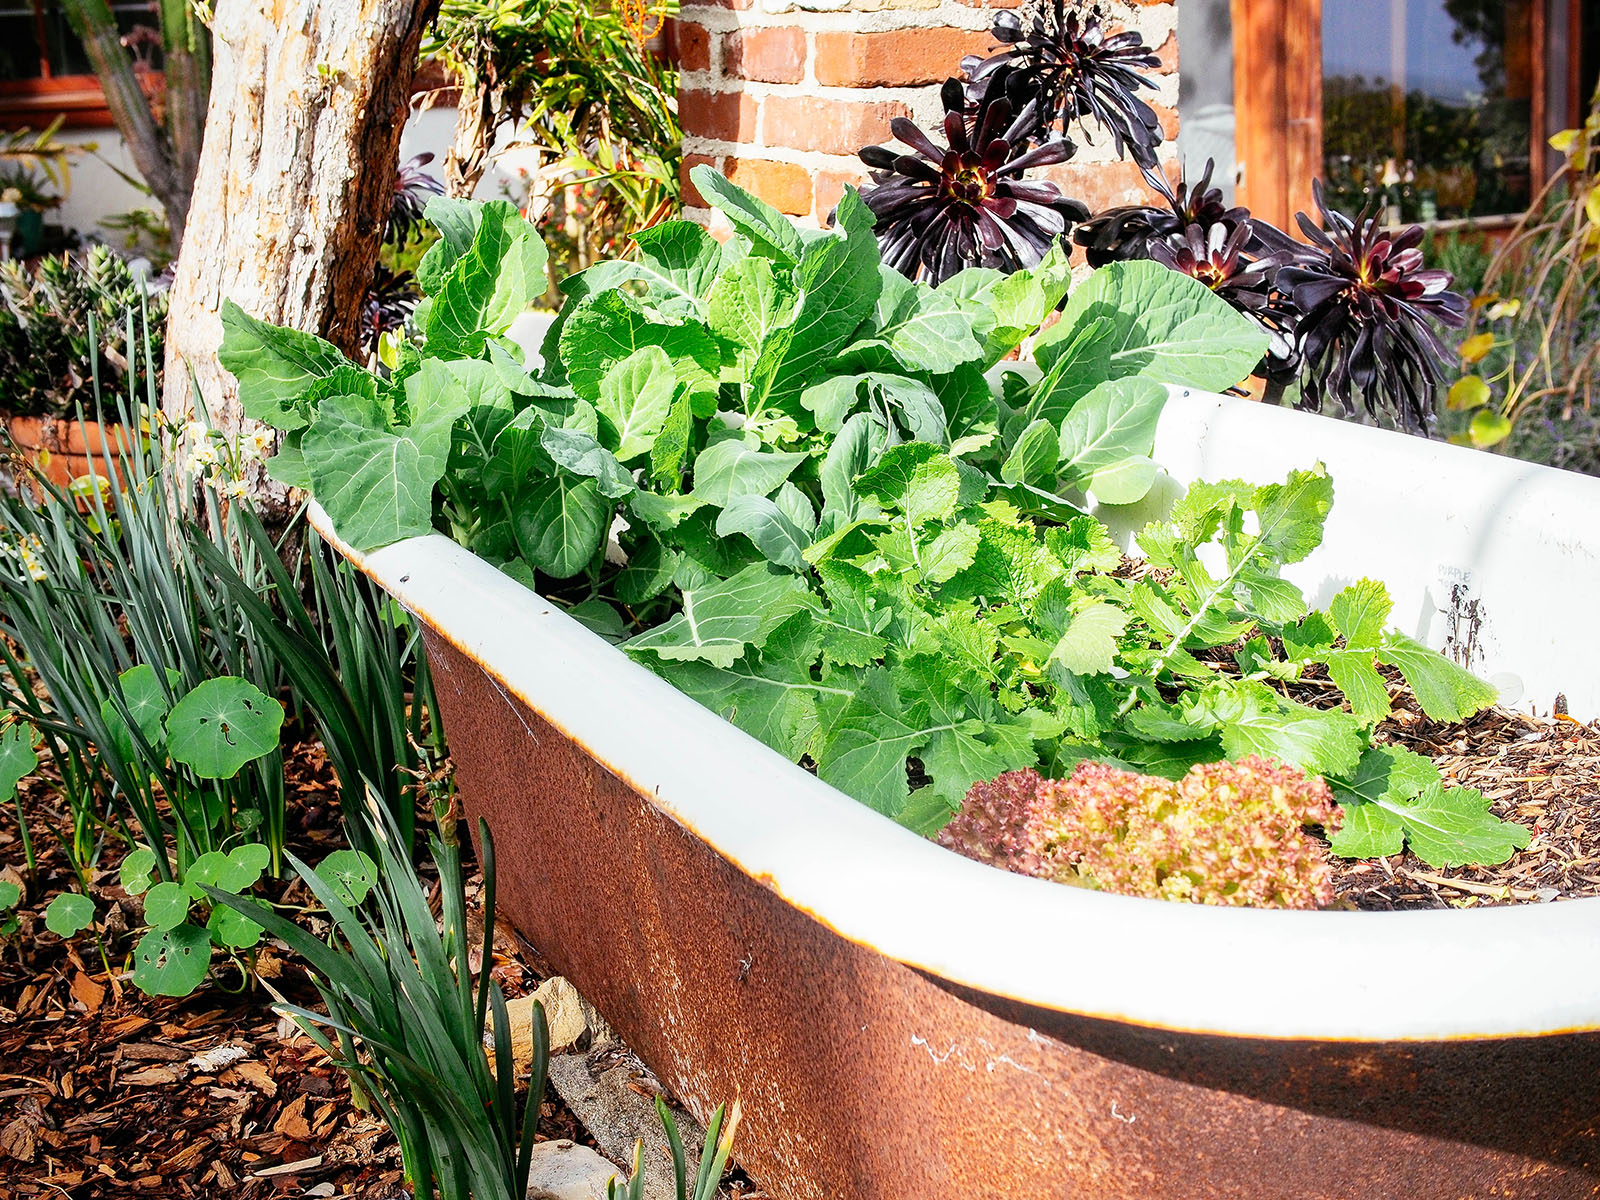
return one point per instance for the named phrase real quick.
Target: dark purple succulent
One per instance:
(389, 303)
(1128, 232)
(1366, 308)
(945, 208)
(1067, 59)
(413, 188)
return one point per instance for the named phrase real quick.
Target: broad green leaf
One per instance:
(606, 329)
(1126, 482)
(575, 451)
(772, 701)
(1360, 613)
(1088, 646)
(69, 914)
(836, 281)
(720, 622)
(1112, 423)
(770, 233)
(635, 398)
(18, 759)
(663, 512)
(1149, 321)
(773, 533)
(232, 929)
(671, 448)
(950, 552)
(1444, 690)
(728, 469)
(678, 259)
(221, 725)
(171, 962)
(560, 524)
(858, 445)
(1252, 719)
(1396, 796)
(274, 366)
(350, 873)
(457, 221)
(166, 906)
(1034, 457)
(648, 573)
(488, 286)
(1358, 679)
(929, 331)
(138, 868)
(917, 479)
(747, 303)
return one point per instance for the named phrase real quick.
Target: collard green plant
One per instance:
(776, 471)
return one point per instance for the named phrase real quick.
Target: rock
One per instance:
(564, 1170)
(563, 1014)
(596, 1087)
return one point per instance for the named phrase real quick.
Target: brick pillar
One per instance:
(781, 94)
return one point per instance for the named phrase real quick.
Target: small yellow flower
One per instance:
(1501, 309)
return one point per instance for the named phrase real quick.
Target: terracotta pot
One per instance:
(66, 448)
(902, 1022)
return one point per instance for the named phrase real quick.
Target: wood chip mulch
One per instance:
(1541, 772)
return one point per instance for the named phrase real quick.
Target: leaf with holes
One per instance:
(221, 725)
(171, 962)
(350, 873)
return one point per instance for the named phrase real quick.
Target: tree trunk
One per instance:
(296, 175)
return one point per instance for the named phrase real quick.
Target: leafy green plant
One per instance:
(828, 525)
(406, 1018)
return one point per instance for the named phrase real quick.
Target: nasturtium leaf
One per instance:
(1467, 393)
(274, 366)
(18, 759)
(774, 534)
(68, 914)
(1488, 428)
(635, 397)
(720, 622)
(221, 725)
(138, 868)
(10, 894)
(351, 874)
(166, 906)
(147, 704)
(770, 233)
(1445, 691)
(728, 469)
(560, 524)
(171, 962)
(232, 929)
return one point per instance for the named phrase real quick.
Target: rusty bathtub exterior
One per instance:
(903, 1024)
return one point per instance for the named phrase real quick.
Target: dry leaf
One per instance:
(87, 992)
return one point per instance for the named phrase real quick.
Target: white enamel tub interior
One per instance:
(1417, 515)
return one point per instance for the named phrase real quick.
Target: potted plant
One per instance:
(814, 509)
(22, 187)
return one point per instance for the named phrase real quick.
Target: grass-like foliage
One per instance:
(834, 529)
(407, 1017)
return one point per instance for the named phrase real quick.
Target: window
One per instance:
(44, 71)
(1427, 106)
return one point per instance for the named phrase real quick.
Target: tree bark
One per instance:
(296, 175)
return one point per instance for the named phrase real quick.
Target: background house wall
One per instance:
(781, 94)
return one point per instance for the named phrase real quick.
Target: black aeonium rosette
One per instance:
(941, 209)
(1365, 308)
(1077, 70)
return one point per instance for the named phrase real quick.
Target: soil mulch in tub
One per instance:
(1541, 772)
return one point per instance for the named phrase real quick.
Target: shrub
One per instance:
(68, 320)
(1227, 833)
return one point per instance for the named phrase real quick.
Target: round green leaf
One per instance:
(166, 906)
(245, 865)
(1468, 392)
(350, 873)
(69, 913)
(138, 869)
(147, 705)
(1488, 428)
(233, 929)
(10, 893)
(221, 725)
(171, 962)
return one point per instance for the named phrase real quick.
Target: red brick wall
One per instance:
(780, 94)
